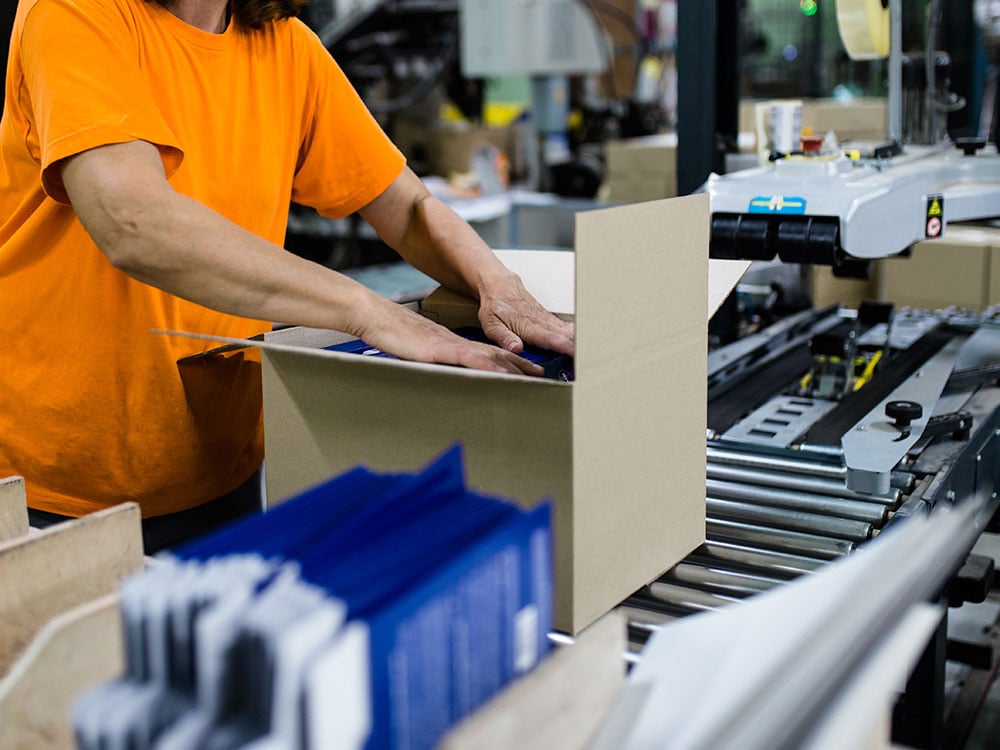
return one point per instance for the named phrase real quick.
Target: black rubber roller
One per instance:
(723, 240)
(737, 236)
(809, 239)
(752, 239)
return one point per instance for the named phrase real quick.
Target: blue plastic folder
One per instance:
(454, 589)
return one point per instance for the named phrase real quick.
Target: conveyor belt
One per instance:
(829, 429)
(758, 385)
(726, 410)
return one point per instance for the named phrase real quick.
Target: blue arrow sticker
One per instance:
(777, 204)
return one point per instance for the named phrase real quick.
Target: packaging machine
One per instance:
(798, 411)
(845, 205)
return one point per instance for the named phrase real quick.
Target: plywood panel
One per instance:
(13, 509)
(557, 706)
(64, 566)
(72, 653)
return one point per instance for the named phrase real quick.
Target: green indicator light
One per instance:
(809, 7)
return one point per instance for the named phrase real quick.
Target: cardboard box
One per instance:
(861, 120)
(641, 169)
(827, 289)
(961, 268)
(620, 450)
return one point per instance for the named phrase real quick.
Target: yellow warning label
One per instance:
(934, 209)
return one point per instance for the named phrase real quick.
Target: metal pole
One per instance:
(769, 562)
(896, 71)
(837, 507)
(820, 547)
(798, 483)
(672, 599)
(791, 520)
(775, 463)
(728, 582)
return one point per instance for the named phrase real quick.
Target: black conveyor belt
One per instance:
(759, 385)
(854, 406)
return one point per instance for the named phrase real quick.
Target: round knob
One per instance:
(904, 412)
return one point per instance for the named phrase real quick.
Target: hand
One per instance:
(512, 317)
(408, 335)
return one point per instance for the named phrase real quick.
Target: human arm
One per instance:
(434, 239)
(170, 241)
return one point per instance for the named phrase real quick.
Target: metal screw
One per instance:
(862, 428)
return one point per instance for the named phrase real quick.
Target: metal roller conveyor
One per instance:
(810, 545)
(790, 520)
(770, 563)
(774, 463)
(673, 599)
(729, 582)
(798, 483)
(855, 510)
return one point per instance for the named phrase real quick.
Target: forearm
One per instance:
(434, 239)
(176, 244)
(442, 245)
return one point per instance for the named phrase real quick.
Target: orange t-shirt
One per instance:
(94, 408)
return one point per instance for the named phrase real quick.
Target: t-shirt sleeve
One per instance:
(85, 86)
(346, 160)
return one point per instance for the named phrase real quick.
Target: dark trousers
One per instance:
(163, 532)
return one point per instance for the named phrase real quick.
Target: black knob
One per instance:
(903, 412)
(970, 146)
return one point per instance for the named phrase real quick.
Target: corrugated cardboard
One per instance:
(620, 450)
(993, 297)
(960, 268)
(641, 169)
(559, 704)
(863, 119)
(827, 289)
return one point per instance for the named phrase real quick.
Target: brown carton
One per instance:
(960, 268)
(620, 450)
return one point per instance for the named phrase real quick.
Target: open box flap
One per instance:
(640, 393)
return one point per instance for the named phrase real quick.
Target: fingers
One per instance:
(541, 329)
(489, 358)
(411, 336)
(554, 334)
(502, 335)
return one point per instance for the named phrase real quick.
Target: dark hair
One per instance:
(253, 14)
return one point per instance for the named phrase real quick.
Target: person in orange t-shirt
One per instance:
(149, 152)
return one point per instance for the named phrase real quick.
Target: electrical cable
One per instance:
(624, 19)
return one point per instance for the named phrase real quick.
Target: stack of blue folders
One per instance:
(374, 611)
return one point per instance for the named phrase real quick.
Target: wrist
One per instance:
(366, 312)
(495, 282)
